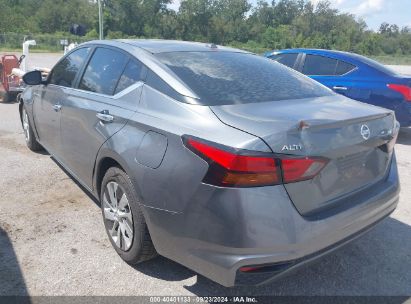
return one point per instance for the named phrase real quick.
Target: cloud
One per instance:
(369, 7)
(174, 5)
(361, 8)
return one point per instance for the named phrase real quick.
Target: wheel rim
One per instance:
(118, 216)
(26, 125)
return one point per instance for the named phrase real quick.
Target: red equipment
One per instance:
(10, 85)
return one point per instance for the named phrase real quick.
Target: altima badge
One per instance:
(365, 132)
(292, 148)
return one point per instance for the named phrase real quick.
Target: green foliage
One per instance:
(92, 34)
(250, 45)
(268, 25)
(46, 42)
(280, 37)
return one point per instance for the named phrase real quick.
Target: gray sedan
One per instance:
(224, 161)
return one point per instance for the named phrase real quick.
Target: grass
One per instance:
(32, 50)
(393, 59)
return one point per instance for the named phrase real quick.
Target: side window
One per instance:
(135, 71)
(103, 71)
(64, 73)
(319, 65)
(286, 59)
(344, 67)
(154, 81)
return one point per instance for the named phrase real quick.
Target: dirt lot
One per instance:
(52, 240)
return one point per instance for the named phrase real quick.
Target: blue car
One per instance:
(353, 76)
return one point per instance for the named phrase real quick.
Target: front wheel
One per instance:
(29, 136)
(123, 218)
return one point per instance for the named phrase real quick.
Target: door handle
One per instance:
(57, 107)
(339, 88)
(105, 116)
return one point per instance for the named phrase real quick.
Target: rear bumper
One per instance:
(226, 229)
(278, 270)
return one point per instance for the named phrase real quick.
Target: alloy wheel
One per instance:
(26, 125)
(118, 216)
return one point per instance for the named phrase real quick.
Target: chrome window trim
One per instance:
(114, 97)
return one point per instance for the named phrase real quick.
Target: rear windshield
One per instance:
(221, 78)
(378, 66)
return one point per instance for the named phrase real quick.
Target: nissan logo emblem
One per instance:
(365, 132)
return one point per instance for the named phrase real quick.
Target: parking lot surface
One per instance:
(52, 240)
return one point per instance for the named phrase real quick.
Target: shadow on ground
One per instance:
(11, 278)
(404, 138)
(378, 263)
(87, 192)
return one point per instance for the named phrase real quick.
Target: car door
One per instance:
(48, 99)
(105, 98)
(330, 72)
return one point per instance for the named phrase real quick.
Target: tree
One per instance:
(269, 24)
(58, 15)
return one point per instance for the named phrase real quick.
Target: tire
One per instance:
(121, 208)
(4, 97)
(29, 136)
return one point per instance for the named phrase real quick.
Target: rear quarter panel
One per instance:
(171, 182)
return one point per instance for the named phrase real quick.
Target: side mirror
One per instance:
(33, 78)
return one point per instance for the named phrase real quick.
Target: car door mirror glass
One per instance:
(33, 78)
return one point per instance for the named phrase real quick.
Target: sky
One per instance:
(374, 12)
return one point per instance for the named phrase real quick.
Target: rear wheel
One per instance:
(123, 218)
(29, 136)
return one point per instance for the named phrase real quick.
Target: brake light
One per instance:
(403, 89)
(249, 269)
(230, 167)
(299, 169)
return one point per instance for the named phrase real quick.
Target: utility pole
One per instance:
(100, 20)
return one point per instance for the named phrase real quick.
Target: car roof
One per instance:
(332, 53)
(145, 50)
(156, 46)
(352, 58)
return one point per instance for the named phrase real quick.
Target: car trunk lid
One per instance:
(356, 138)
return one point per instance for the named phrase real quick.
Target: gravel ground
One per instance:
(52, 240)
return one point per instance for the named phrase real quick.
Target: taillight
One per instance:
(403, 89)
(230, 167)
(249, 269)
(299, 169)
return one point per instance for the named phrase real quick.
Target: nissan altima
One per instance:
(224, 161)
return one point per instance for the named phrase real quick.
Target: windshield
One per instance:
(221, 78)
